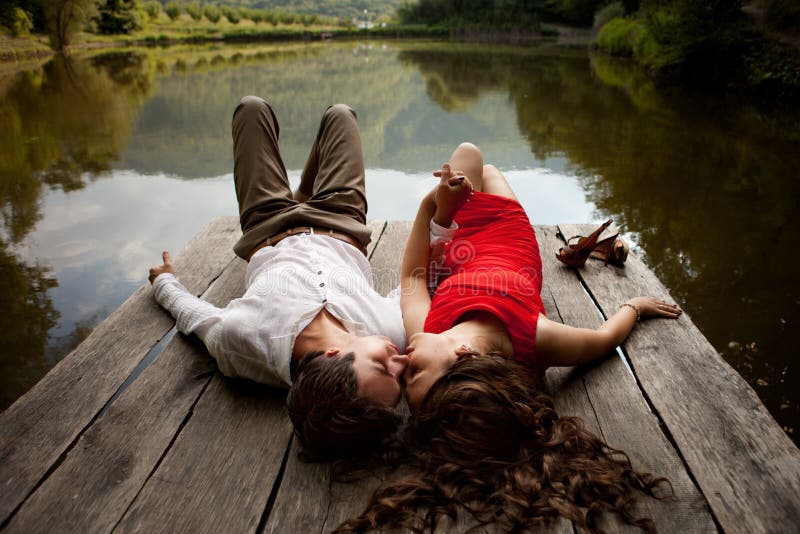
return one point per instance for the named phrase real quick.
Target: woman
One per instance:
(483, 438)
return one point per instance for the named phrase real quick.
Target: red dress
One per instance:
(494, 266)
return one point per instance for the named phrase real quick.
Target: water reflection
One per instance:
(63, 126)
(705, 186)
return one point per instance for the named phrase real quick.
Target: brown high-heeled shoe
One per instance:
(613, 250)
(575, 255)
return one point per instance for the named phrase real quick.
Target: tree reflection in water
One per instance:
(706, 185)
(64, 125)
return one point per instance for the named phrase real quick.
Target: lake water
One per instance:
(108, 158)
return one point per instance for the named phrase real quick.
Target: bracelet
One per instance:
(635, 308)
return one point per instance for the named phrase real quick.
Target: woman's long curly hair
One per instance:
(485, 441)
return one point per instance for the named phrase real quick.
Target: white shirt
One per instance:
(286, 286)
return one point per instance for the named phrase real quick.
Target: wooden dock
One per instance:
(136, 430)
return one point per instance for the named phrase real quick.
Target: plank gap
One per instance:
(273, 494)
(670, 438)
(154, 352)
(377, 241)
(165, 451)
(157, 349)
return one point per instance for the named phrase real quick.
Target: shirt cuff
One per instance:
(162, 278)
(440, 234)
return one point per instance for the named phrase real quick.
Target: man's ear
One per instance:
(332, 352)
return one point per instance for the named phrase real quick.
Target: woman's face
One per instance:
(429, 356)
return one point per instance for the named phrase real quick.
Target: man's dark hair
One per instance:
(329, 417)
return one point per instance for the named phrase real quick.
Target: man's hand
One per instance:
(452, 192)
(165, 267)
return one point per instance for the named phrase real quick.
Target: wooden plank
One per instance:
(113, 459)
(44, 423)
(745, 465)
(218, 474)
(616, 410)
(220, 471)
(377, 227)
(387, 258)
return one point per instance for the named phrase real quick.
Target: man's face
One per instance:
(378, 366)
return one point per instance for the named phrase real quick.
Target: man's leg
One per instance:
(333, 176)
(262, 186)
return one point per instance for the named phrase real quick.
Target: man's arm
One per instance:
(192, 315)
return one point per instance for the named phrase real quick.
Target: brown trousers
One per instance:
(333, 177)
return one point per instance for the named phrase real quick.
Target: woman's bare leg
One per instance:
(495, 183)
(467, 159)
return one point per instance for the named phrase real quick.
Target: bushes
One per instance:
(17, 20)
(173, 10)
(117, 17)
(152, 8)
(194, 10)
(782, 13)
(230, 13)
(619, 36)
(211, 13)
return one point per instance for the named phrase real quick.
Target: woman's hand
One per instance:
(452, 192)
(652, 307)
(165, 267)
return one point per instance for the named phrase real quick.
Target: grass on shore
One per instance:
(184, 29)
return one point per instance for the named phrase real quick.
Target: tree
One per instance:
(65, 17)
(211, 13)
(193, 9)
(173, 10)
(152, 8)
(117, 16)
(231, 13)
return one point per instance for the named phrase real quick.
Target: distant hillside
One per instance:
(331, 8)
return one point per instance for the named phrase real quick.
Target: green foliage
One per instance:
(619, 36)
(773, 68)
(194, 10)
(211, 12)
(63, 18)
(152, 8)
(696, 39)
(173, 10)
(611, 11)
(783, 13)
(17, 20)
(231, 13)
(117, 17)
(574, 11)
(474, 13)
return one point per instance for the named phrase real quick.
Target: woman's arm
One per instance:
(441, 205)
(414, 299)
(561, 345)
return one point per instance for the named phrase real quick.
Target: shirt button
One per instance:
(319, 272)
(322, 284)
(324, 301)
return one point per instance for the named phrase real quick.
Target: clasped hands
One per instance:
(453, 191)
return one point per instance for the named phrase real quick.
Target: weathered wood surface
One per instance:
(613, 407)
(746, 466)
(183, 448)
(43, 424)
(113, 459)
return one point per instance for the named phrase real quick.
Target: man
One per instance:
(310, 319)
